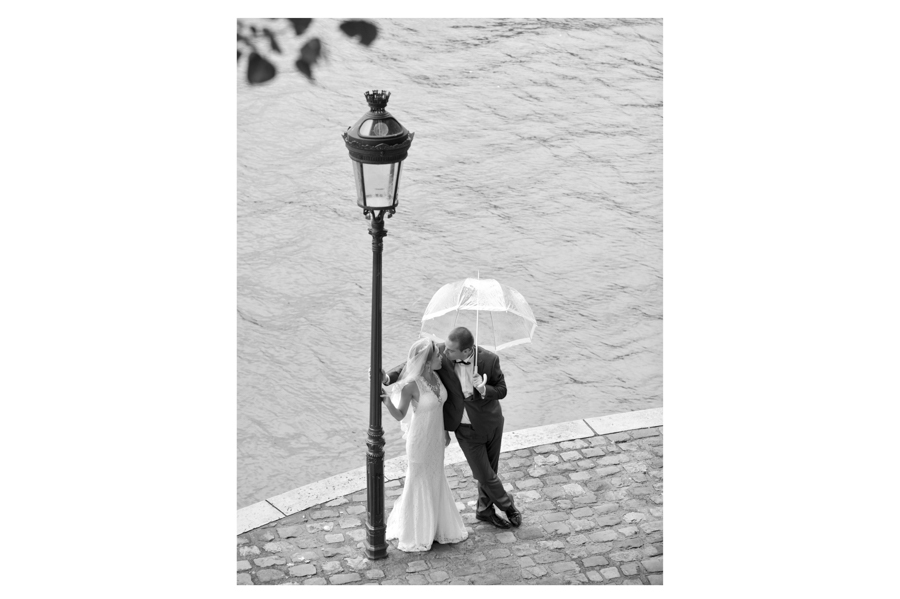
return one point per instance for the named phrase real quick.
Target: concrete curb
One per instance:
(301, 498)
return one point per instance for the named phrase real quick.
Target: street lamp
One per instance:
(378, 144)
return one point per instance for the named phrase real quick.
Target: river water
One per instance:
(537, 161)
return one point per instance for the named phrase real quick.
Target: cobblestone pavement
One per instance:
(591, 508)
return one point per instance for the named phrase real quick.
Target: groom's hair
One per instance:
(462, 337)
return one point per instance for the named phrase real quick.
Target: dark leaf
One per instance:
(300, 25)
(259, 70)
(310, 51)
(239, 54)
(272, 41)
(304, 68)
(365, 31)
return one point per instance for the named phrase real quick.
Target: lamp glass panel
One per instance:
(358, 175)
(380, 128)
(379, 181)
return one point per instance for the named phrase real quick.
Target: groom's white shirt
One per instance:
(464, 373)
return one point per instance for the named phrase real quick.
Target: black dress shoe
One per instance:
(492, 518)
(515, 517)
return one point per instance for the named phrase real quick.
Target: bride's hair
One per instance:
(420, 354)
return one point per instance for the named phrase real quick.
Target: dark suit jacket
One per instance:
(484, 412)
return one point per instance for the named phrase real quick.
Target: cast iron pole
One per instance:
(376, 547)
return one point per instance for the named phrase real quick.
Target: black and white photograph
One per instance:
(449, 301)
(402, 297)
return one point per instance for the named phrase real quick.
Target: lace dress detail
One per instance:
(425, 512)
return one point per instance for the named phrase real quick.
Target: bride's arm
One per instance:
(410, 393)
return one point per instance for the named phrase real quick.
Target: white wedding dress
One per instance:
(425, 512)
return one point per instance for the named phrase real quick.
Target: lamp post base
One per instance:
(375, 545)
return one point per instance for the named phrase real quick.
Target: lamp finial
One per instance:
(377, 100)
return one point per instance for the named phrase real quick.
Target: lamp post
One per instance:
(378, 144)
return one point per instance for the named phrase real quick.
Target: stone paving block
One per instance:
(595, 560)
(523, 453)
(612, 460)
(537, 472)
(571, 455)
(278, 547)
(498, 553)
(628, 555)
(288, 532)
(503, 537)
(574, 489)
(577, 540)
(251, 550)
(546, 448)
(374, 574)
(521, 550)
(266, 562)
(610, 520)
(649, 527)
(527, 533)
(586, 499)
(416, 566)
(555, 517)
(607, 471)
(536, 572)
(618, 437)
(526, 496)
(557, 528)
(628, 543)
(437, 576)
(335, 538)
(580, 525)
(546, 460)
(644, 432)
(574, 444)
(629, 569)
(579, 476)
(563, 504)
(577, 551)
(594, 576)
(467, 570)
(243, 565)
(610, 573)
(632, 517)
(349, 522)
(541, 506)
(553, 492)
(529, 483)
(332, 567)
(560, 567)
(653, 565)
(547, 557)
(244, 579)
(324, 514)
(593, 452)
(655, 579)
(628, 531)
(416, 579)
(302, 570)
(606, 508)
(650, 550)
(269, 575)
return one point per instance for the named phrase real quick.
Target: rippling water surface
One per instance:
(537, 161)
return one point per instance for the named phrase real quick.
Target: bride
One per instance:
(425, 512)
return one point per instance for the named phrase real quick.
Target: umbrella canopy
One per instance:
(497, 315)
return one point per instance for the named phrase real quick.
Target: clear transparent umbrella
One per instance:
(497, 315)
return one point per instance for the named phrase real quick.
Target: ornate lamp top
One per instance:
(377, 100)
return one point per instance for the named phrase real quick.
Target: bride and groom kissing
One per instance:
(447, 392)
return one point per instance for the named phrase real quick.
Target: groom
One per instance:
(472, 410)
